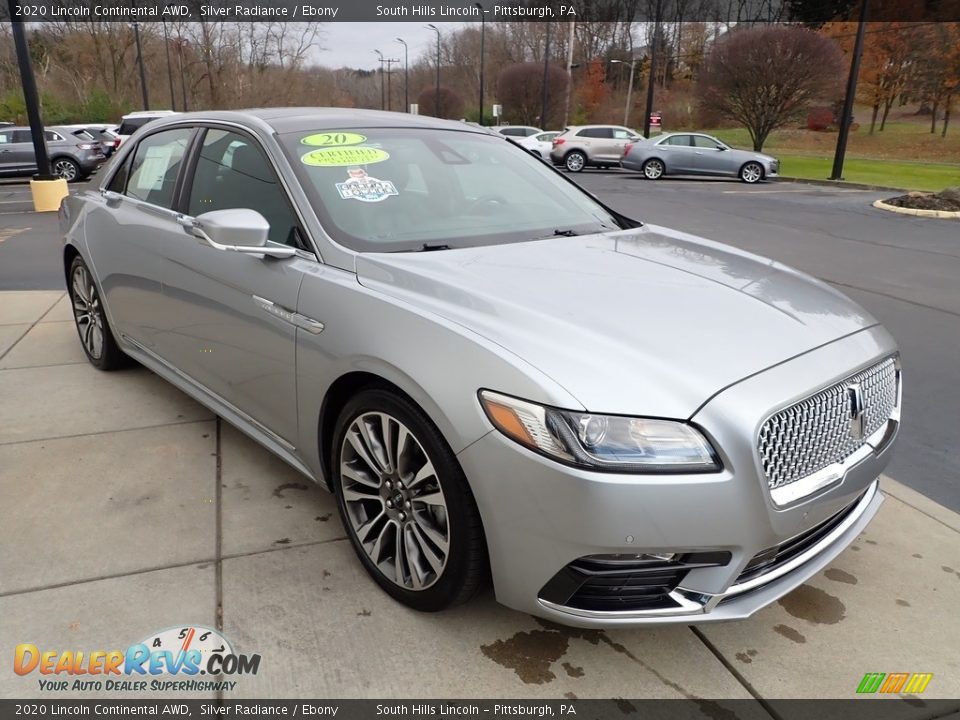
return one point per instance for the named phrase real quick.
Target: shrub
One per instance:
(820, 118)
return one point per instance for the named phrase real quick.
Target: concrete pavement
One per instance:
(128, 508)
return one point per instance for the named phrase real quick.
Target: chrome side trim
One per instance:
(812, 551)
(693, 602)
(294, 318)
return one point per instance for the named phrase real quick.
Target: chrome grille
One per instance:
(816, 433)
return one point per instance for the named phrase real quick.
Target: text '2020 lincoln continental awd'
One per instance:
(495, 373)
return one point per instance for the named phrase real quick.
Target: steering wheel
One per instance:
(484, 200)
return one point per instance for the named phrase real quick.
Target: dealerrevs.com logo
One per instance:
(188, 658)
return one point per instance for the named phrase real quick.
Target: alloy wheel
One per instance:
(751, 173)
(66, 169)
(87, 312)
(575, 162)
(393, 500)
(652, 169)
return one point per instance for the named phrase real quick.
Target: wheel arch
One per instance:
(348, 385)
(69, 253)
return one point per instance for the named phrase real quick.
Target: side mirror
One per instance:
(236, 230)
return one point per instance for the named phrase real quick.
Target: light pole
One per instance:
(657, 19)
(183, 77)
(567, 94)
(437, 94)
(626, 110)
(166, 46)
(546, 67)
(841, 150)
(380, 55)
(143, 72)
(406, 75)
(483, 34)
(30, 96)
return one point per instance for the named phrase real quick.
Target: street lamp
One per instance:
(380, 55)
(406, 75)
(143, 72)
(626, 110)
(433, 27)
(166, 46)
(483, 33)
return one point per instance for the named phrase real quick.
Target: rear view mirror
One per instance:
(237, 230)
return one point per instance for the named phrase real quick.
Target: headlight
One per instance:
(601, 442)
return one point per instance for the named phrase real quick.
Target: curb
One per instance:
(920, 502)
(840, 184)
(944, 214)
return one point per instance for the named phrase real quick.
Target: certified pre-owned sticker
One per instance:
(333, 139)
(343, 156)
(364, 188)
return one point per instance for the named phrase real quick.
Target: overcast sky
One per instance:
(352, 44)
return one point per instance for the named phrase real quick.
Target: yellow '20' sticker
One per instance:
(333, 139)
(342, 156)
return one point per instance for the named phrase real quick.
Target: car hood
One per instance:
(646, 321)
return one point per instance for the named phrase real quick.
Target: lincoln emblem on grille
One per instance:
(855, 399)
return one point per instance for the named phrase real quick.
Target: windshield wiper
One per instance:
(565, 233)
(427, 247)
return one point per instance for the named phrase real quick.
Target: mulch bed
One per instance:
(948, 200)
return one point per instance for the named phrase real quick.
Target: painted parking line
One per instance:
(7, 233)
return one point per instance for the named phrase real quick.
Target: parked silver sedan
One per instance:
(697, 154)
(493, 371)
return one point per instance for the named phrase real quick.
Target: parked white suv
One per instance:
(580, 146)
(132, 122)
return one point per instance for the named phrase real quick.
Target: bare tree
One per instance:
(520, 89)
(766, 75)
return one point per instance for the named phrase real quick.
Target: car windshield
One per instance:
(402, 189)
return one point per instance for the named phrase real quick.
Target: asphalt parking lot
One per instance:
(131, 508)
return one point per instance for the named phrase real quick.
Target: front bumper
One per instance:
(540, 516)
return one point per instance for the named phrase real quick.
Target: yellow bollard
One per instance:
(47, 194)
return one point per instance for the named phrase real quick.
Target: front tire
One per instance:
(405, 503)
(96, 337)
(751, 173)
(575, 161)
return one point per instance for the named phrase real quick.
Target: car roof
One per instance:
(300, 119)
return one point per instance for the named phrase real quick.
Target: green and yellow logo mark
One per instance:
(914, 683)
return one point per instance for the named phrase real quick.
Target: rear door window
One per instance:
(156, 164)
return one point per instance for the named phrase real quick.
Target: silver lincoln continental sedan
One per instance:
(495, 373)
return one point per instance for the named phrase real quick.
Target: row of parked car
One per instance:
(604, 146)
(76, 151)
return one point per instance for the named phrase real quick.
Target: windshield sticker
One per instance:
(344, 156)
(364, 188)
(333, 139)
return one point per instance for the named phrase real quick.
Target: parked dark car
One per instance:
(98, 132)
(71, 158)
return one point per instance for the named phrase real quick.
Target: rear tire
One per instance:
(653, 169)
(405, 503)
(575, 161)
(67, 169)
(96, 337)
